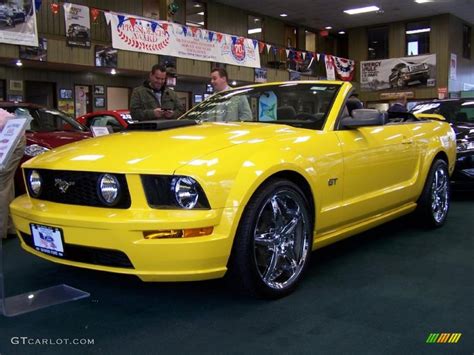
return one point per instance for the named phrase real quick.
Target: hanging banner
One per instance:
(78, 25)
(143, 35)
(398, 72)
(453, 65)
(345, 68)
(18, 23)
(330, 69)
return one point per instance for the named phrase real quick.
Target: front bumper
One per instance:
(112, 240)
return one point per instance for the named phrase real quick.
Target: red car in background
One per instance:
(48, 129)
(115, 119)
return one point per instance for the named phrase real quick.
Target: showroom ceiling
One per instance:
(318, 14)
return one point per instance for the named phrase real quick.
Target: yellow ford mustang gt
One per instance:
(245, 185)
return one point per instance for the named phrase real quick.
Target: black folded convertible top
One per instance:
(160, 125)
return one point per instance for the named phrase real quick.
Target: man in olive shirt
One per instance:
(153, 100)
(237, 108)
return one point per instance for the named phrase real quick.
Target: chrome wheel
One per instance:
(281, 239)
(440, 194)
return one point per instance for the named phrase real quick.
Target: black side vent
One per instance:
(160, 125)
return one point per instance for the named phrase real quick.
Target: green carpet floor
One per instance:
(381, 292)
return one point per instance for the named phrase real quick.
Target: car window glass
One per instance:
(104, 120)
(52, 120)
(466, 112)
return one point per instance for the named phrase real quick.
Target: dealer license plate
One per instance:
(48, 240)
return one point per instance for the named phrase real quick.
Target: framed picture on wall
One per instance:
(15, 98)
(99, 102)
(65, 94)
(105, 57)
(99, 90)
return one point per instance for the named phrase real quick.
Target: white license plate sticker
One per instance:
(47, 239)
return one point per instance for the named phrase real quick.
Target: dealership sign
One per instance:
(143, 35)
(398, 73)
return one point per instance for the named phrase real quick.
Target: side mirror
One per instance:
(363, 118)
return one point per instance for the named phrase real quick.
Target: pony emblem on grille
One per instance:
(63, 185)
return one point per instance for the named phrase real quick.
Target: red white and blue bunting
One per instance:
(144, 35)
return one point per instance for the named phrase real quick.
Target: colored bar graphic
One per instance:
(443, 338)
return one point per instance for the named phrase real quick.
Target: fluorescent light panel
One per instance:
(362, 10)
(420, 30)
(254, 30)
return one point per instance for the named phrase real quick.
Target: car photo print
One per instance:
(198, 198)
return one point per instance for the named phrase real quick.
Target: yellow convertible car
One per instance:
(244, 185)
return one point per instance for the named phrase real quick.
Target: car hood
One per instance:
(464, 130)
(52, 140)
(157, 152)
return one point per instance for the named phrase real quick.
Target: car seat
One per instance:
(286, 113)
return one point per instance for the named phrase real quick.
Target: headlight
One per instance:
(108, 188)
(34, 150)
(35, 182)
(174, 192)
(463, 145)
(185, 191)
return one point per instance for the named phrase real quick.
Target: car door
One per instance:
(380, 164)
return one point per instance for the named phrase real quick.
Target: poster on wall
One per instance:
(78, 25)
(398, 72)
(143, 35)
(18, 23)
(35, 53)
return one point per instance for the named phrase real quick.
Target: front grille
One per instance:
(82, 188)
(89, 255)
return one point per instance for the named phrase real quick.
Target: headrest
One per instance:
(367, 114)
(353, 104)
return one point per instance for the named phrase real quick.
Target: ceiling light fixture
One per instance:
(18, 63)
(362, 10)
(421, 1)
(113, 71)
(420, 30)
(328, 27)
(342, 32)
(283, 15)
(254, 30)
(201, 13)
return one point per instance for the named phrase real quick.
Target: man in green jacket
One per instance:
(153, 100)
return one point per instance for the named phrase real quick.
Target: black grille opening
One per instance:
(89, 255)
(82, 188)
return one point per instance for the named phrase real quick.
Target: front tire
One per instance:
(433, 205)
(273, 243)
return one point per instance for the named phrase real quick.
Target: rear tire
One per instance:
(433, 204)
(273, 242)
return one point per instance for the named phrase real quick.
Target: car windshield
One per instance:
(48, 120)
(297, 104)
(453, 111)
